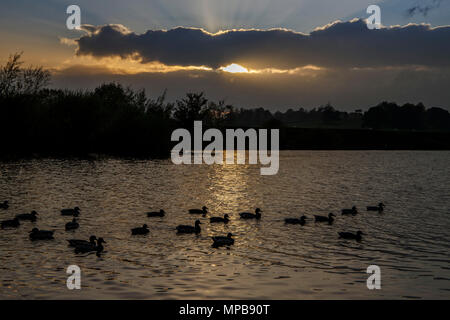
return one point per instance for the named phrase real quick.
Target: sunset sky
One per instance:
(283, 53)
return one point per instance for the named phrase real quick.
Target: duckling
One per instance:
(328, 219)
(190, 229)
(225, 219)
(203, 210)
(76, 242)
(37, 234)
(27, 216)
(71, 212)
(378, 208)
(72, 225)
(4, 205)
(159, 213)
(140, 230)
(248, 215)
(349, 235)
(14, 223)
(223, 241)
(352, 211)
(91, 247)
(300, 221)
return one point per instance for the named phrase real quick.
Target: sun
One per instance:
(235, 68)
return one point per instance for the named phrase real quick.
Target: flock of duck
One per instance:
(95, 244)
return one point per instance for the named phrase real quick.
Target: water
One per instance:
(270, 260)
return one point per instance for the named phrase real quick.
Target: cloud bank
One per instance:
(337, 45)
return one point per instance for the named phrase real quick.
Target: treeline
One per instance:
(384, 116)
(113, 119)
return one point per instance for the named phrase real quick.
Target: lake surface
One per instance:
(270, 260)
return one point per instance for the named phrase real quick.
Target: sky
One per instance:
(276, 54)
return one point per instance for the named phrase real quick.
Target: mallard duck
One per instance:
(72, 225)
(14, 223)
(225, 219)
(159, 213)
(328, 219)
(4, 205)
(352, 211)
(84, 248)
(27, 216)
(76, 242)
(300, 221)
(71, 212)
(37, 234)
(249, 215)
(378, 208)
(190, 229)
(203, 210)
(349, 235)
(223, 241)
(140, 230)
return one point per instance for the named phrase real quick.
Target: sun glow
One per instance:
(235, 68)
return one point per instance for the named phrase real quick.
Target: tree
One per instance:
(14, 79)
(191, 108)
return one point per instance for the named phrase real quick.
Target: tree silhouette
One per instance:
(190, 109)
(14, 79)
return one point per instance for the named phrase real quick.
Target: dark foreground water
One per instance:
(409, 241)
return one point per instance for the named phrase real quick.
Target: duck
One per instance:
(225, 219)
(72, 225)
(203, 210)
(37, 234)
(300, 221)
(378, 208)
(352, 211)
(190, 229)
(349, 235)
(27, 216)
(328, 219)
(248, 215)
(223, 241)
(71, 212)
(140, 230)
(76, 242)
(4, 205)
(159, 213)
(85, 248)
(13, 223)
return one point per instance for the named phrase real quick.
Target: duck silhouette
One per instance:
(140, 230)
(378, 208)
(4, 205)
(351, 211)
(328, 219)
(77, 242)
(37, 234)
(225, 219)
(27, 216)
(85, 248)
(300, 221)
(351, 236)
(71, 212)
(13, 223)
(249, 215)
(190, 229)
(160, 213)
(72, 225)
(223, 241)
(203, 210)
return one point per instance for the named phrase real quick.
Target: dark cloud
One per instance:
(340, 44)
(423, 9)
